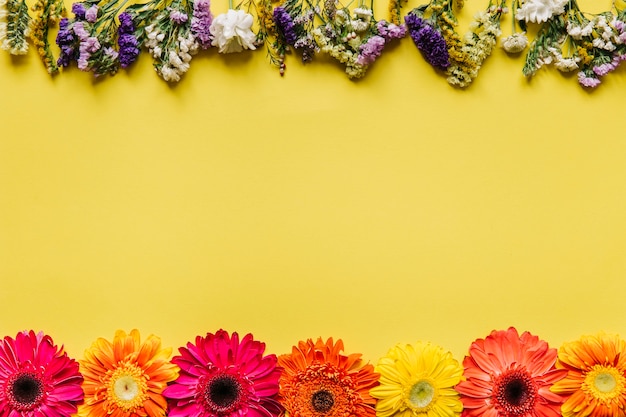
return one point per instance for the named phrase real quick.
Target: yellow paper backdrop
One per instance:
(391, 209)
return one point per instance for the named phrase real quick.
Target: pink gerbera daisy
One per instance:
(36, 378)
(223, 376)
(508, 375)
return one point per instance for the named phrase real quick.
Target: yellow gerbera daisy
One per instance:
(126, 378)
(596, 380)
(418, 381)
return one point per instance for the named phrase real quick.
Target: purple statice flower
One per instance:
(79, 10)
(390, 31)
(371, 50)
(178, 16)
(129, 50)
(285, 25)
(429, 41)
(201, 22)
(91, 15)
(66, 41)
(585, 81)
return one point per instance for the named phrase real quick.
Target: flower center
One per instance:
(223, 393)
(322, 401)
(604, 383)
(25, 391)
(515, 392)
(421, 394)
(127, 387)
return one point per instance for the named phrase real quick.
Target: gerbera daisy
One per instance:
(222, 376)
(318, 380)
(596, 376)
(126, 378)
(36, 378)
(418, 381)
(508, 375)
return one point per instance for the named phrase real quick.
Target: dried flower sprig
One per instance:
(47, 14)
(166, 29)
(594, 46)
(517, 41)
(92, 36)
(14, 26)
(477, 45)
(433, 29)
(356, 40)
(294, 22)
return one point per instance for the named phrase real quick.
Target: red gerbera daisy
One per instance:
(320, 381)
(508, 375)
(221, 376)
(36, 378)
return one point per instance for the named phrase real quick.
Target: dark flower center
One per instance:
(515, 392)
(223, 391)
(322, 401)
(26, 391)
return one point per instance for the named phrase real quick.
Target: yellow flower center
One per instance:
(604, 383)
(421, 394)
(127, 388)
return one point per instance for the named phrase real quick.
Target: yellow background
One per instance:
(391, 209)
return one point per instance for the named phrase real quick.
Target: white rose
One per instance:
(231, 31)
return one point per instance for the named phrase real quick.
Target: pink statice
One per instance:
(586, 81)
(91, 14)
(201, 22)
(390, 31)
(371, 50)
(178, 16)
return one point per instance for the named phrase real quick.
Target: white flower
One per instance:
(576, 32)
(539, 11)
(566, 64)
(363, 13)
(515, 43)
(231, 31)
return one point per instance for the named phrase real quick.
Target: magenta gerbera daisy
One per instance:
(221, 376)
(37, 379)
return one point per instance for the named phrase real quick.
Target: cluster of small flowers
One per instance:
(171, 43)
(477, 46)
(294, 29)
(89, 39)
(358, 40)
(14, 26)
(429, 40)
(373, 48)
(594, 47)
(201, 23)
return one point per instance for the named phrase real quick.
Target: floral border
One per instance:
(505, 374)
(104, 36)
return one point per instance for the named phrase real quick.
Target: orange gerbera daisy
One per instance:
(126, 378)
(319, 381)
(596, 376)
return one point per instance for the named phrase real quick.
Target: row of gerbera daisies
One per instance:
(222, 375)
